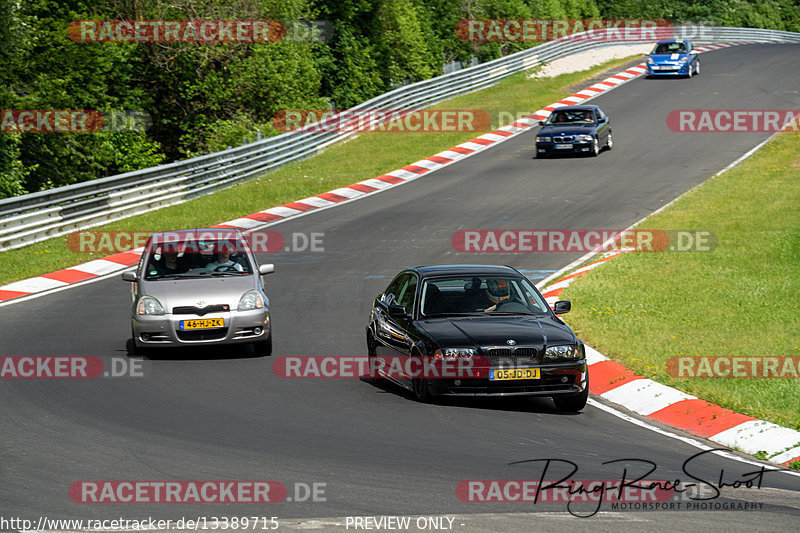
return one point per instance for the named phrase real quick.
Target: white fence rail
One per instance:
(38, 216)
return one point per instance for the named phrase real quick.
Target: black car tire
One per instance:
(574, 402)
(419, 386)
(595, 148)
(609, 140)
(263, 348)
(697, 68)
(689, 75)
(540, 155)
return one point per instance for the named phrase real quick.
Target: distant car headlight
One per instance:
(148, 305)
(683, 60)
(543, 139)
(454, 353)
(569, 352)
(587, 138)
(250, 300)
(650, 60)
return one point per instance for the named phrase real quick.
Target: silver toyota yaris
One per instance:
(199, 287)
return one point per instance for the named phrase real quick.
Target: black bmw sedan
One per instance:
(475, 330)
(574, 129)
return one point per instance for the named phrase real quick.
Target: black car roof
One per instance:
(460, 270)
(576, 108)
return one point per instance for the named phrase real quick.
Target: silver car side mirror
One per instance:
(129, 275)
(266, 269)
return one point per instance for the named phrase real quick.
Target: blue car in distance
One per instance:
(574, 129)
(673, 58)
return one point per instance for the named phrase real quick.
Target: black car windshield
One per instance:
(669, 48)
(571, 117)
(197, 258)
(447, 296)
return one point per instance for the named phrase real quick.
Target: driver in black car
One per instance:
(223, 262)
(499, 290)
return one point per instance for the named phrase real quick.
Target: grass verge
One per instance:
(741, 299)
(366, 156)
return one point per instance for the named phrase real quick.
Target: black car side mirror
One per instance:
(541, 122)
(397, 311)
(562, 306)
(602, 120)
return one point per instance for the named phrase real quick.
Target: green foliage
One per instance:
(205, 97)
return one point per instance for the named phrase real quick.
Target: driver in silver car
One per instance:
(224, 262)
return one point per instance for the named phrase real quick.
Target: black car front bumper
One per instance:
(564, 379)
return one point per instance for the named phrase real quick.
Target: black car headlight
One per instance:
(455, 353)
(584, 138)
(543, 139)
(567, 352)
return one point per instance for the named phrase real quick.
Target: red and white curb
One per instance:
(615, 383)
(115, 263)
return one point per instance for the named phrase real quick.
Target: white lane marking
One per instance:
(645, 396)
(100, 267)
(37, 284)
(754, 436)
(687, 440)
(242, 223)
(315, 201)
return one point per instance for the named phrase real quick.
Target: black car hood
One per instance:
(496, 330)
(567, 129)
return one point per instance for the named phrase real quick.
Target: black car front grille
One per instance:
(563, 139)
(520, 355)
(200, 311)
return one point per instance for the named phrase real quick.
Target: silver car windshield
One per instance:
(480, 295)
(197, 258)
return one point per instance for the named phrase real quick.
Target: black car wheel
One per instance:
(690, 69)
(574, 402)
(420, 388)
(697, 69)
(610, 141)
(595, 148)
(263, 348)
(371, 348)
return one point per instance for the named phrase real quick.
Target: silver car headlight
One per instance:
(543, 139)
(587, 138)
(250, 300)
(569, 352)
(454, 353)
(147, 305)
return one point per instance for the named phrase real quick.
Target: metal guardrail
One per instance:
(38, 216)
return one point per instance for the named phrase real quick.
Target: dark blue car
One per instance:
(673, 58)
(573, 130)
